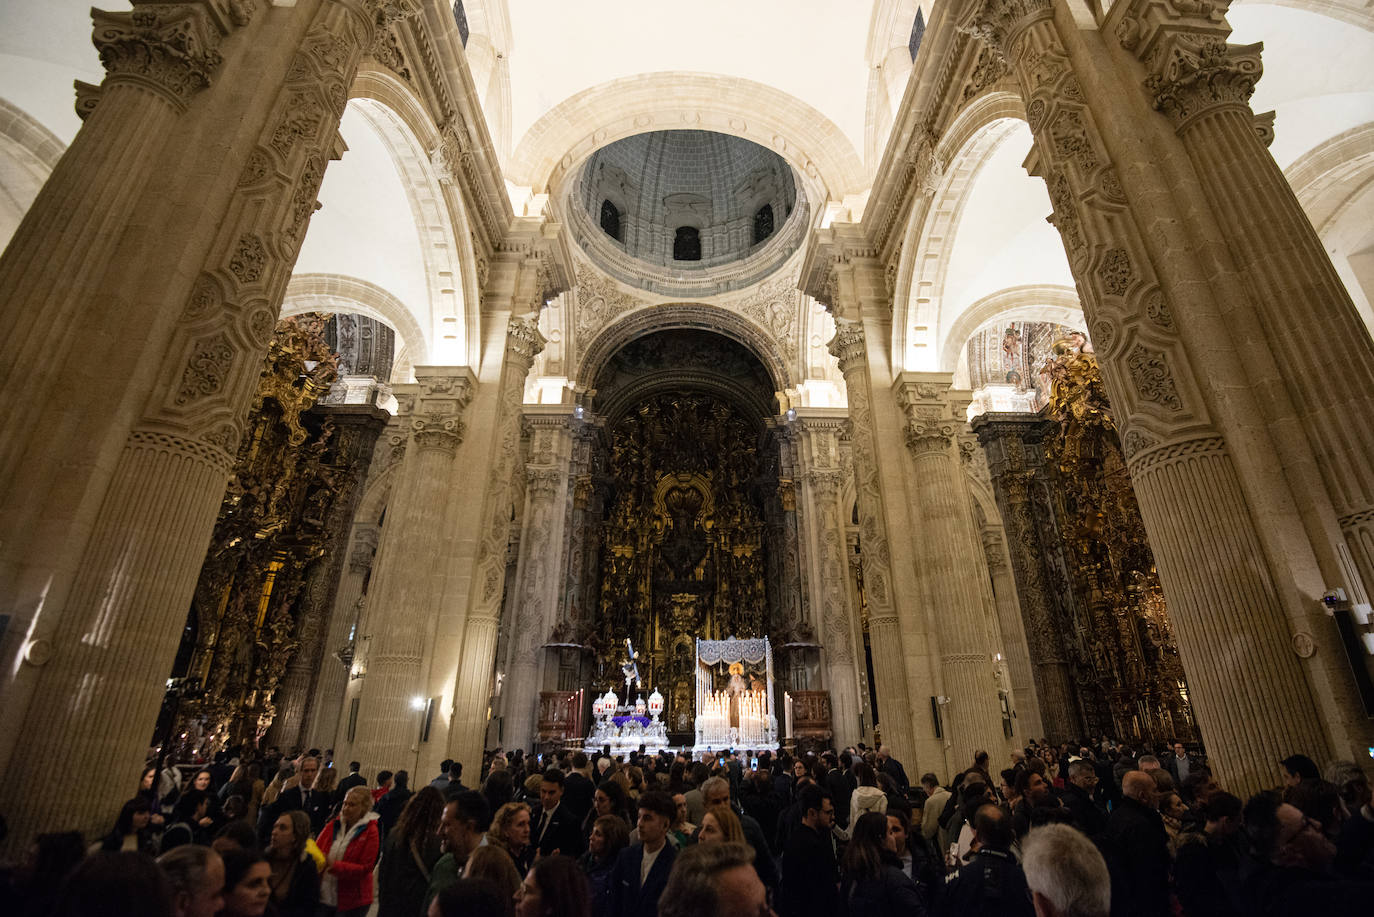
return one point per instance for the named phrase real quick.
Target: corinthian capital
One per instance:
(523, 341)
(847, 345)
(998, 23)
(443, 393)
(171, 48)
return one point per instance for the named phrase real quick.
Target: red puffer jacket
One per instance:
(354, 869)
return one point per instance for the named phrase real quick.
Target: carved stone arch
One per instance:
(408, 130)
(683, 315)
(1050, 302)
(560, 141)
(341, 293)
(964, 148)
(28, 154)
(373, 500)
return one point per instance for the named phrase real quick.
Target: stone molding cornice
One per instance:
(841, 271)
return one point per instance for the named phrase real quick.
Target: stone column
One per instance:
(1003, 439)
(825, 534)
(538, 584)
(472, 689)
(322, 719)
(1172, 369)
(1320, 352)
(949, 565)
(356, 428)
(898, 703)
(407, 588)
(178, 325)
(1025, 703)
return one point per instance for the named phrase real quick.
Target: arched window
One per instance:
(763, 223)
(687, 244)
(918, 31)
(460, 16)
(610, 220)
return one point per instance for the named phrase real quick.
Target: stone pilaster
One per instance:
(949, 565)
(851, 347)
(406, 592)
(537, 583)
(1021, 683)
(826, 550)
(322, 726)
(472, 690)
(356, 430)
(1174, 374)
(1014, 474)
(158, 374)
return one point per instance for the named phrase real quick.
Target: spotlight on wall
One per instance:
(417, 703)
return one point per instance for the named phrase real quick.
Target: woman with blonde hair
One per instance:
(720, 825)
(510, 831)
(496, 866)
(351, 844)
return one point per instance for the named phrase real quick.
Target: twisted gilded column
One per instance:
(948, 566)
(1167, 356)
(407, 591)
(537, 583)
(174, 330)
(472, 689)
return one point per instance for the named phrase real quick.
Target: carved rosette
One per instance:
(171, 48)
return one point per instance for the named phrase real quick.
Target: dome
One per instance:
(687, 212)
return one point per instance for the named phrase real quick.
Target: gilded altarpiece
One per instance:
(1102, 647)
(294, 476)
(683, 544)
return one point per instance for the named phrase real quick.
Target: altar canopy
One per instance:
(734, 689)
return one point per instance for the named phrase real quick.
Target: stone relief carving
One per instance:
(205, 372)
(1150, 372)
(171, 47)
(600, 301)
(1115, 272)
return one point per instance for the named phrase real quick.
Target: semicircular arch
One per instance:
(1050, 302)
(341, 293)
(645, 321)
(571, 131)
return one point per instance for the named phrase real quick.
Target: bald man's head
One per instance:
(1139, 786)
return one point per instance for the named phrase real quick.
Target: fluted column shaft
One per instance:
(1172, 368)
(948, 565)
(177, 342)
(890, 662)
(1025, 702)
(538, 584)
(1288, 289)
(322, 720)
(472, 687)
(408, 584)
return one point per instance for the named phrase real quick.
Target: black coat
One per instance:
(577, 794)
(313, 803)
(627, 898)
(402, 882)
(1088, 816)
(809, 885)
(1137, 849)
(990, 883)
(563, 833)
(891, 892)
(389, 807)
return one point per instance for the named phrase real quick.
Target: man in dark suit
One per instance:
(579, 789)
(1137, 848)
(641, 871)
(809, 880)
(555, 828)
(893, 768)
(353, 779)
(305, 797)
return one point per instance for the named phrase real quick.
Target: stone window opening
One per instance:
(687, 244)
(763, 223)
(918, 31)
(460, 18)
(610, 220)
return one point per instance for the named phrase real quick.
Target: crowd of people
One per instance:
(1081, 830)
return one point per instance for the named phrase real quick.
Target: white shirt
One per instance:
(648, 864)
